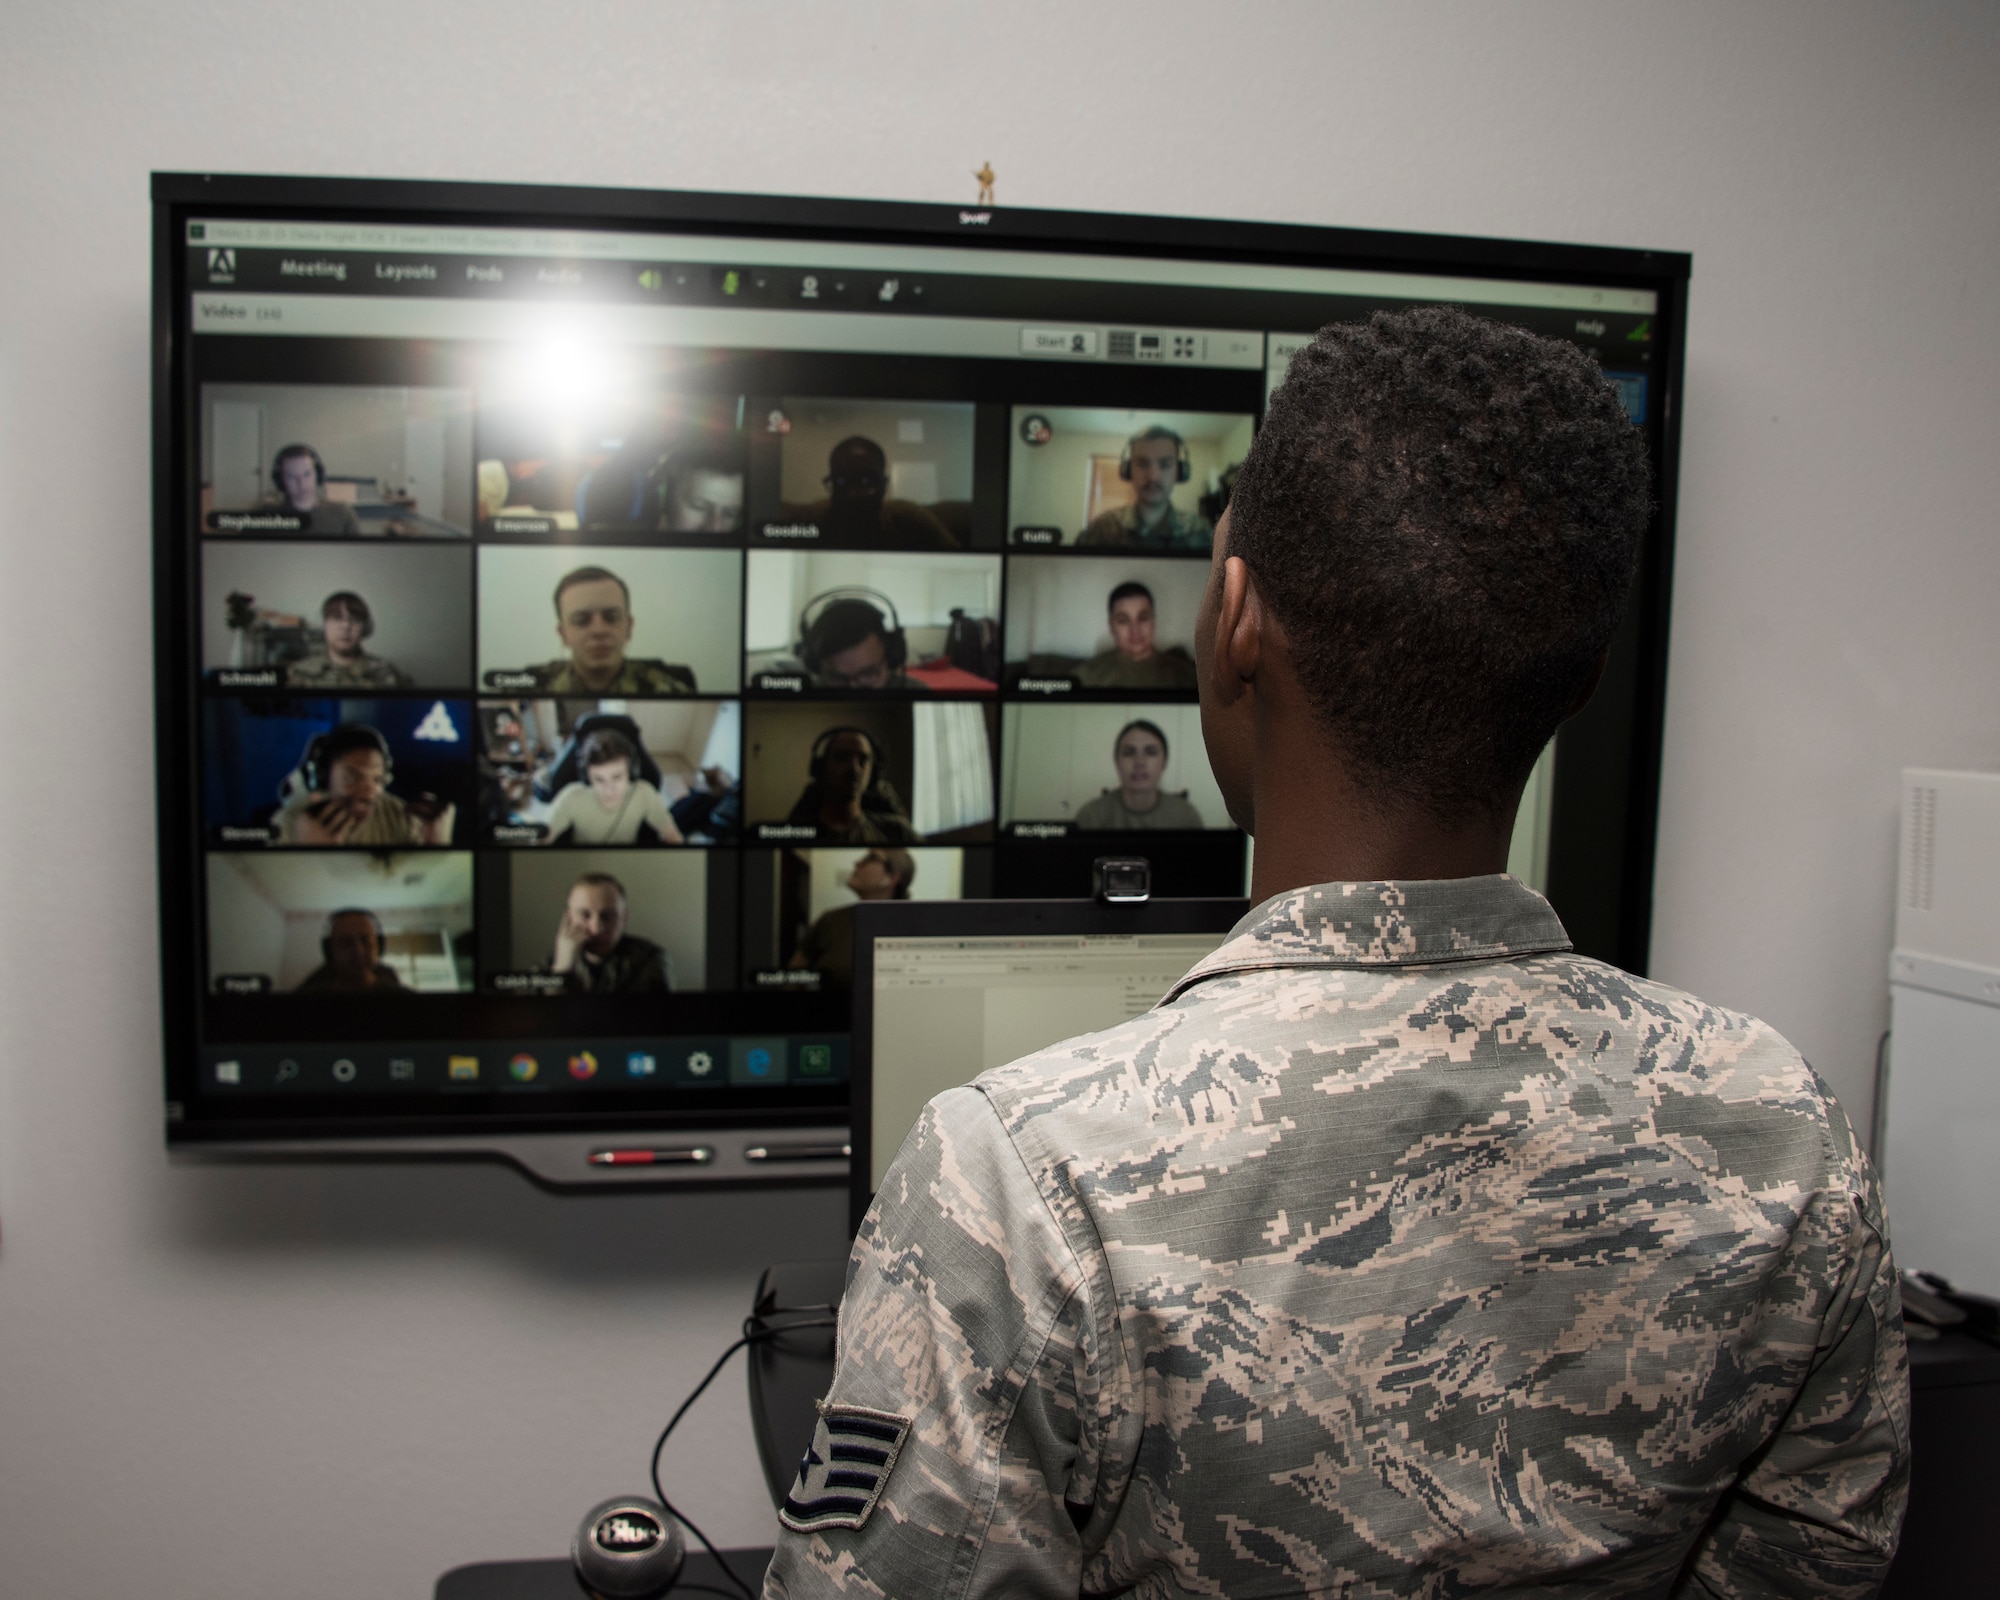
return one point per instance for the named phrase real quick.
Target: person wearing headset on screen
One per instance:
(594, 622)
(1154, 463)
(613, 802)
(594, 954)
(1140, 754)
(1133, 662)
(828, 946)
(850, 644)
(352, 944)
(340, 796)
(340, 662)
(298, 477)
(847, 796)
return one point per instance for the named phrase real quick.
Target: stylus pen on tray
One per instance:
(639, 1156)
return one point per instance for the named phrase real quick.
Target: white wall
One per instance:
(407, 1368)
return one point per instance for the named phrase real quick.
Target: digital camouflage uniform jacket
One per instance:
(1397, 1251)
(1175, 530)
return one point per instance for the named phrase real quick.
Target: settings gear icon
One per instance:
(701, 1063)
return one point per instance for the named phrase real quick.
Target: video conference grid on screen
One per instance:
(605, 669)
(584, 688)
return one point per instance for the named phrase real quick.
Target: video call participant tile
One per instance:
(605, 922)
(870, 474)
(849, 621)
(336, 617)
(360, 924)
(1084, 626)
(650, 469)
(1106, 769)
(329, 460)
(1095, 477)
(868, 772)
(570, 620)
(610, 772)
(359, 774)
(805, 935)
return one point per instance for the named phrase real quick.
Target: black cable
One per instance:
(752, 1334)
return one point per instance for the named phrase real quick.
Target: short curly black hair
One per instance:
(1444, 515)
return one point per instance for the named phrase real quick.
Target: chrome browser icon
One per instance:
(523, 1068)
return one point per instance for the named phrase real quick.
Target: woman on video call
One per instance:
(1140, 754)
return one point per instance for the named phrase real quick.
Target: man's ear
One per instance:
(1590, 684)
(1238, 645)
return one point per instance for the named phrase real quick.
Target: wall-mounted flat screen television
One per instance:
(572, 603)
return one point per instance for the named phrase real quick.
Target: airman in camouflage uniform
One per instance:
(1398, 1251)
(321, 671)
(1173, 529)
(634, 677)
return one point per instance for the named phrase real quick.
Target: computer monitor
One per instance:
(571, 604)
(943, 993)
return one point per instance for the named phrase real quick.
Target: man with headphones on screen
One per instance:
(298, 476)
(1399, 1249)
(340, 796)
(850, 644)
(1155, 463)
(340, 663)
(352, 943)
(848, 798)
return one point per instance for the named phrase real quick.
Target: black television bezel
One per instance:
(1604, 808)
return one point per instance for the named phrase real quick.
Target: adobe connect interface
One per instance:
(585, 622)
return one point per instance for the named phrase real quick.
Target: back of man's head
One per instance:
(1443, 513)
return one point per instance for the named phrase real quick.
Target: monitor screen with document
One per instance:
(945, 992)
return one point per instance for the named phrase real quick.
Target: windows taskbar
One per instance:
(526, 1066)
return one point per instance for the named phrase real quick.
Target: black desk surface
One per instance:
(556, 1580)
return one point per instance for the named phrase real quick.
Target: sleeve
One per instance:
(659, 815)
(562, 812)
(1819, 1511)
(955, 1427)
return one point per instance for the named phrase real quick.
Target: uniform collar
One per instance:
(1409, 923)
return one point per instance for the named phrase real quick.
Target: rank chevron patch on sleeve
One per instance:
(845, 1468)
